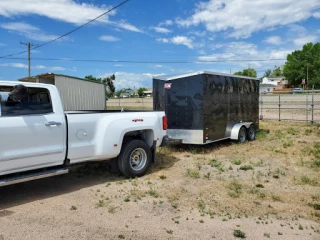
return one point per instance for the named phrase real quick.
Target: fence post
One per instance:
(279, 108)
(142, 102)
(119, 101)
(261, 106)
(307, 102)
(312, 104)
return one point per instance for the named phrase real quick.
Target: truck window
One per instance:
(38, 102)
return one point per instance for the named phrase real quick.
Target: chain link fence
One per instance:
(279, 106)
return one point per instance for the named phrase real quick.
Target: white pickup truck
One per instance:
(39, 139)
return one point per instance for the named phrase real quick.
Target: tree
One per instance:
(277, 72)
(249, 72)
(267, 73)
(304, 64)
(141, 90)
(108, 81)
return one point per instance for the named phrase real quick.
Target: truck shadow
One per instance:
(79, 177)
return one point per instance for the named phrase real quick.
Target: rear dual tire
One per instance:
(134, 159)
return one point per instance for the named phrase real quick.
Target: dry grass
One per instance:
(278, 172)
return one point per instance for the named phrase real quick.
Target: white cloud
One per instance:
(28, 31)
(108, 38)
(21, 65)
(316, 14)
(234, 53)
(69, 11)
(299, 42)
(161, 30)
(126, 26)
(178, 40)
(241, 18)
(166, 23)
(132, 80)
(275, 40)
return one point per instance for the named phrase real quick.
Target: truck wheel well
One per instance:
(145, 135)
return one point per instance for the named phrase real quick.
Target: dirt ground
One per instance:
(268, 188)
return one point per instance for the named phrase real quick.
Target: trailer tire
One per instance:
(134, 159)
(251, 133)
(242, 136)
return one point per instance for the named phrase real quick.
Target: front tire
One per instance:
(134, 159)
(242, 137)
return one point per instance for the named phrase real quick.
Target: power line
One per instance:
(81, 26)
(153, 62)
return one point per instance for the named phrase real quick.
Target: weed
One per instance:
(127, 199)
(201, 206)
(267, 235)
(259, 185)
(278, 134)
(216, 164)
(169, 231)
(316, 163)
(246, 167)
(308, 181)
(193, 173)
(134, 183)
(307, 132)
(121, 236)
(108, 184)
(300, 227)
(152, 192)
(316, 206)
(236, 162)
(293, 131)
(73, 208)
(224, 219)
(261, 134)
(101, 203)
(276, 198)
(287, 143)
(207, 175)
(239, 234)
(121, 182)
(234, 189)
(162, 177)
(198, 166)
(111, 209)
(201, 221)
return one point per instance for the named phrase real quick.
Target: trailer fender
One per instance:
(236, 128)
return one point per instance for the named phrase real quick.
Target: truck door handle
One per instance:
(52, 124)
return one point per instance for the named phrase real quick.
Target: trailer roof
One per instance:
(173, 77)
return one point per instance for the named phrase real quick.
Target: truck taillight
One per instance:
(164, 122)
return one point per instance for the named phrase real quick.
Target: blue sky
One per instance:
(156, 33)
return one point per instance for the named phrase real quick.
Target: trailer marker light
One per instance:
(164, 123)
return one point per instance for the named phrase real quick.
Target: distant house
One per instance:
(148, 92)
(127, 93)
(268, 88)
(277, 81)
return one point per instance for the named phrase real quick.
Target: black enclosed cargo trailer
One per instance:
(204, 107)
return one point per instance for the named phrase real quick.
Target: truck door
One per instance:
(33, 134)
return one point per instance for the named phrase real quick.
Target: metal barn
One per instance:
(204, 107)
(76, 93)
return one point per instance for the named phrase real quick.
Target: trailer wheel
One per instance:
(242, 137)
(251, 132)
(134, 159)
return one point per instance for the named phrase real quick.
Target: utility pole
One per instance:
(29, 44)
